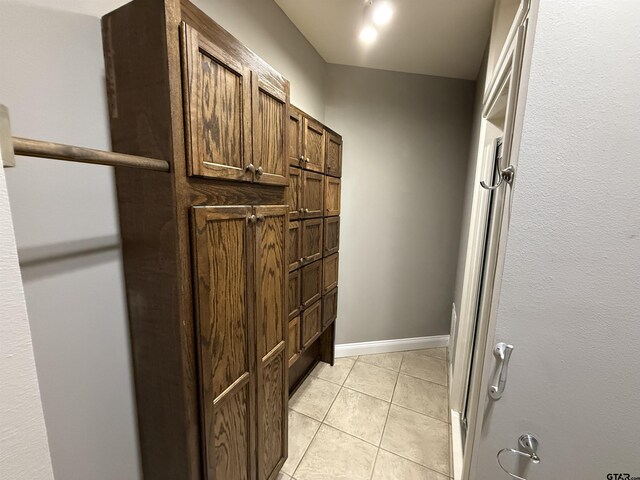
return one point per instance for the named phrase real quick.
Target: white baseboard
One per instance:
(456, 445)
(386, 346)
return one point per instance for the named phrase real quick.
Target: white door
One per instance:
(568, 290)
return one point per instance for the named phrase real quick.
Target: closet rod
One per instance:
(58, 151)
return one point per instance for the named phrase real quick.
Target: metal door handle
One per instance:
(306, 210)
(260, 217)
(251, 219)
(502, 352)
(250, 168)
(259, 171)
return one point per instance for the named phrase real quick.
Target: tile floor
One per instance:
(372, 417)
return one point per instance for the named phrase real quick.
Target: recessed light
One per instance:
(382, 13)
(368, 34)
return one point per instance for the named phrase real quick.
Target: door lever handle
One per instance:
(502, 352)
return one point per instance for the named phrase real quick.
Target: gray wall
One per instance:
(65, 216)
(406, 150)
(470, 176)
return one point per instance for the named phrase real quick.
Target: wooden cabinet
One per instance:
(294, 340)
(314, 144)
(217, 107)
(331, 235)
(312, 194)
(329, 307)
(294, 249)
(333, 158)
(294, 294)
(295, 193)
(311, 321)
(331, 196)
(330, 273)
(294, 138)
(311, 234)
(311, 283)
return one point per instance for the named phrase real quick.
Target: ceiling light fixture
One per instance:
(368, 34)
(382, 13)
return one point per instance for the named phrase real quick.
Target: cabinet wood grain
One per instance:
(331, 235)
(329, 307)
(311, 283)
(311, 322)
(330, 273)
(295, 279)
(294, 340)
(295, 138)
(331, 196)
(295, 193)
(333, 163)
(313, 185)
(314, 145)
(294, 249)
(312, 237)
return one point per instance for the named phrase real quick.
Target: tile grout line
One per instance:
(322, 421)
(415, 463)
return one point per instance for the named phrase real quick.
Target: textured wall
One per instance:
(570, 299)
(406, 148)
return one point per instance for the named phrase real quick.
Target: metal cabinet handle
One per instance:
(301, 259)
(301, 210)
(302, 158)
(251, 219)
(502, 352)
(250, 168)
(259, 171)
(306, 210)
(260, 217)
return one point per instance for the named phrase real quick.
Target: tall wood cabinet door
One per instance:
(331, 196)
(270, 117)
(217, 110)
(331, 235)
(271, 272)
(313, 138)
(312, 194)
(223, 252)
(311, 235)
(294, 246)
(294, 138)
(333, 159)
(295, 193)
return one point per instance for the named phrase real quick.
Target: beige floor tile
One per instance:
(301, 432)
(425, 367)
(417, 437)
(372, 380)
(391, 361)
(422, 396)
(336, 374)
(358, 414)
(438, 352)
(314, 397)
(334, 455)
(392, 467)
(283, 476)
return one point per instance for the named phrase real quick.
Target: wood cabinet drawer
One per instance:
(293, 294)
(294, 248)
(293, 343)
(311, 323)
(330, 273)
(331, 196)
(311, 234)
(311, 283)
(329, 307)
(333, 155)
(312, 194)
(331, 235)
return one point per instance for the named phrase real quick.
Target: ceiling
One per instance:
(445, 38)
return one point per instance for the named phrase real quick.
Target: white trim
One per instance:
(386, 346)
(456, 445)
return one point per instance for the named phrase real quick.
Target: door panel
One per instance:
(331, 235)
(333, 164)
(311, 322)
(329, 307)
(311, 240)
(270, 117)
(311, 283)
(294, 294)
(330, 273)
(294, 248)
(331, 196)
(217, 110)
(295, 193)
(312, 194)
(271, 282)
(295, 138)
(313, 146)
(294, 340)
(222, 258)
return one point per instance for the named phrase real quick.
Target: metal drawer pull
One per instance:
(250, 168)
(259, 171)
(260, 217)
(503, 353)
(529, 444)
(251, 219)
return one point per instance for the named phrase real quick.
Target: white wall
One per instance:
(65, 215)
(406, 149)
(24, 451)
(570, 295)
